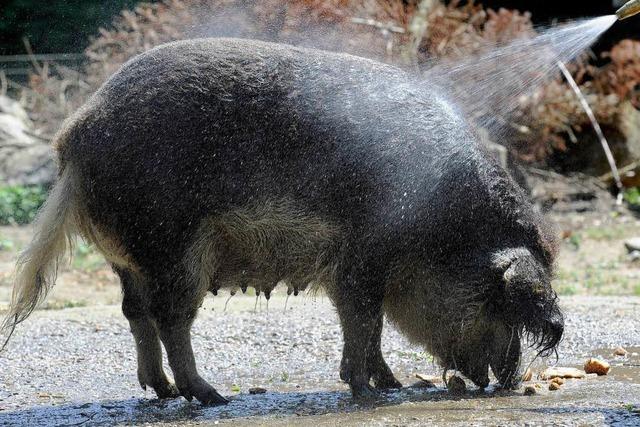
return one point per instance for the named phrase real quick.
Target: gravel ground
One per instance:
(77, 367)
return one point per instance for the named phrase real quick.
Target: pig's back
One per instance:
(193, 128)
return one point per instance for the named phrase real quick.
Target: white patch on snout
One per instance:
(507, 261)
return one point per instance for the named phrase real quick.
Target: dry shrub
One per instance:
(53, 93)
(369, 28)
(556, 118)
(51, 97)
(134, 32)
(329, 24)
(622, 75)
(456, 31)
(408, 33)
(553, 118)
(373, 28)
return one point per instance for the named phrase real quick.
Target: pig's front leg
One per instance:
(379, 371)
(358, 300)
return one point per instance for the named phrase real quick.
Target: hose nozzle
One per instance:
(628, 10)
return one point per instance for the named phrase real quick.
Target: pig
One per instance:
(212, 164)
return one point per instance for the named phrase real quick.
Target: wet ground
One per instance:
(76, 366)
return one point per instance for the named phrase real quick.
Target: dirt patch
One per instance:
(593, 259)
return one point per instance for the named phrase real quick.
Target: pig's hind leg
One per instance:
(145, 335)
(174, 305)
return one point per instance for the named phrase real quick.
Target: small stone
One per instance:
(530, 390)
(257, 390)
(553, 386)
(632, 244)
(558, 380)
(620, 351)
(596, 366)
(528, 375)
(456, 385)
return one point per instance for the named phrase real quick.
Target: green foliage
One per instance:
(575, 240)
(632, 408)
(632, 197)
(86, 258)
(566, 289)
(54, 25)
(605, 233)
(5, 244)
(61, 305)
(19, 205)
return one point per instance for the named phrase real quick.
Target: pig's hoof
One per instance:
(363, 392)
(202, 391)
(387, 383)
(167, 390)
(210, 397)
(164, 388)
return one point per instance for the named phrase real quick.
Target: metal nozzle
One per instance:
(628, 10)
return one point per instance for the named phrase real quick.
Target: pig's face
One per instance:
(474, 320)
(519, 304)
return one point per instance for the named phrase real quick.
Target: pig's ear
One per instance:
(511, 264)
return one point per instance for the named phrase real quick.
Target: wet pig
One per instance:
(224, 163)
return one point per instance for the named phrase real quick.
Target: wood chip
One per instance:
(596, 366)
(44, 395)
(620, 351)
(551, 373)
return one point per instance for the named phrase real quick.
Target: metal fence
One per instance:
(18, 67)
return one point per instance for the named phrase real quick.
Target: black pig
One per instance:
(222, 163)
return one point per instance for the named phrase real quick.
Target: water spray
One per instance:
(596, 126)
(629, 9)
